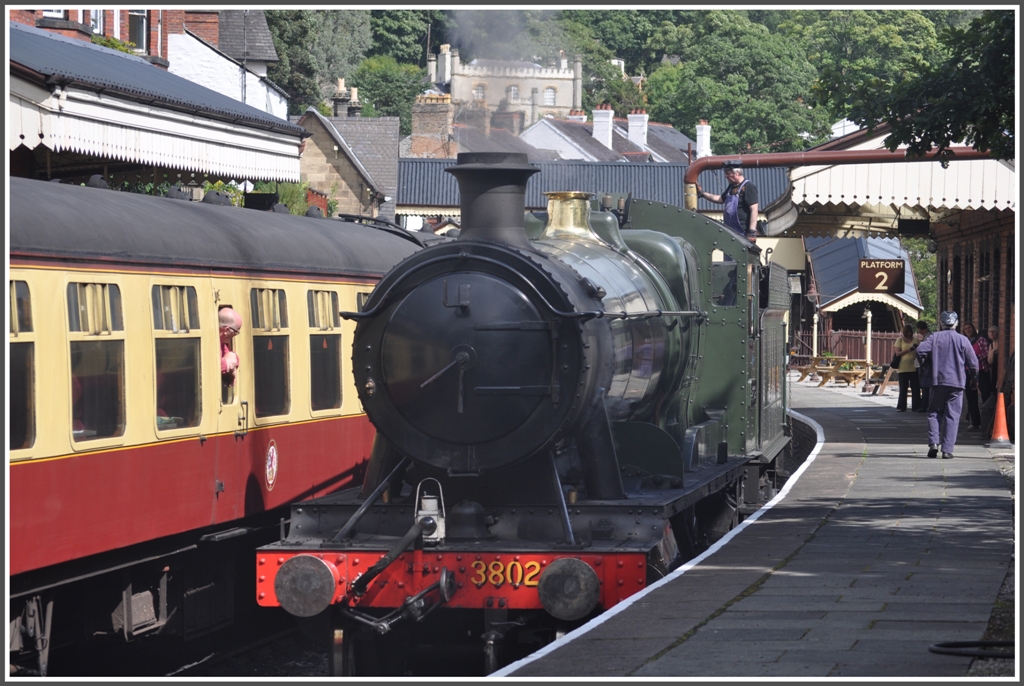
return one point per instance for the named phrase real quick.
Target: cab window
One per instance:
(176, 339)
(324, 350)
(269, 311)
(22, 417)
(96, 332)
(723, 279)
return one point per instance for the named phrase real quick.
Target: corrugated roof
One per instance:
(91, 66)
(244, 35)
(835, 263)
(423, 182)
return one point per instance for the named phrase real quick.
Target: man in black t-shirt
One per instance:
(741, 203)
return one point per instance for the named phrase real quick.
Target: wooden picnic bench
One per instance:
(822, 365)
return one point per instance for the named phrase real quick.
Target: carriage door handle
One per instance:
(243, 419)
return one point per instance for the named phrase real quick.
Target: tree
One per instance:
(402, 34)
(316, 48)
(969, 97)
(389, 88)
(752, 86)
(925, 273)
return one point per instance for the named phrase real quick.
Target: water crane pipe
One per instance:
(812, 157)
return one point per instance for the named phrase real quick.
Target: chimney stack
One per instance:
(637, 120)
(355, 108)
(703, 139)
(577, 116)
(340, 100)
(603, 116)
(432, 67)
(444, 64)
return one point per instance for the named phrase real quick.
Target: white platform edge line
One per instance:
(604, 616)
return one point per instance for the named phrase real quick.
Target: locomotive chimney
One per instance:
(492, 192)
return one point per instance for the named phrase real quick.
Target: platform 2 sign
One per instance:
(881, 276)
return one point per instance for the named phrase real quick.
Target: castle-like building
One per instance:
(499, 86)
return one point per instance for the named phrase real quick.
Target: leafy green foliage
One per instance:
(293, 195)
(752, 86)
(232, 190)
(925, 269)
(970, 96)
(390, 88)
(114, 43)
(402, 34)
(316, 48)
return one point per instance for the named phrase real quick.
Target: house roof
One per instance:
(664, 140)
(57, 60)
(835, 263)
(343, 146)
(472, 139)
(581, 136)
(423, 183)
(244, 35)
(375, 142)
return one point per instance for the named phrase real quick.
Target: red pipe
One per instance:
(811, 157)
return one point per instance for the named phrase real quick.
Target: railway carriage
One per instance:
(137, 472)
(569, 404)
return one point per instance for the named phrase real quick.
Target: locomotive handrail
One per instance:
(585, 315)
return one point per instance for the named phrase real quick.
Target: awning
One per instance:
(885, 298)
(91, 123)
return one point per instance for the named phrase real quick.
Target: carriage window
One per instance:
(22, 416)
(270, 351)
(361, 300)
(97, 360)
(723, 279)
(176, 333)
(324, 350)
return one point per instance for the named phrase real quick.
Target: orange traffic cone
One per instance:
(1000, 436)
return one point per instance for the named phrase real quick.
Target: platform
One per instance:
(875, 553)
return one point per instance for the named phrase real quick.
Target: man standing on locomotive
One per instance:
(950, 365)
(741, 203)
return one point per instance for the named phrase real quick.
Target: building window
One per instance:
(138, 29)
(55, 14)
(95, 19)
(478, 92)
(97, 360)
(324, 350)
(22, 417)
(176, 334)
(549, 97)
(513, 93)
(270, 351)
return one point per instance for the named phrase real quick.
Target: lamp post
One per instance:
(867, 352)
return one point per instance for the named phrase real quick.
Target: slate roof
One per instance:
(424, 183)
(582, 136)
(244, 35)
(375, 140)
(343, 145)
(62, 60)
(669, 142)
(472, 139)
(836, 261)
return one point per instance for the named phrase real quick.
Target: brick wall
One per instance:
(25, 16)
(976, 270)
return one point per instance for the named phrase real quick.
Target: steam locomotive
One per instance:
(568, 404)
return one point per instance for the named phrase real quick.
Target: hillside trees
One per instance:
(969, 96)
(316, 47)
(389, 88)
(753, 87)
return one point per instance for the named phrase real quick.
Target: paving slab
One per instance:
(876, 553)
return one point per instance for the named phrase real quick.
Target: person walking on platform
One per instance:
(949, 364)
